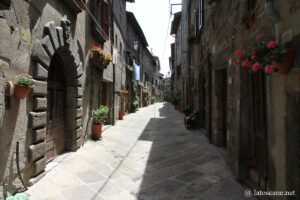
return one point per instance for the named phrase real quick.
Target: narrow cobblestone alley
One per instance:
(147, 156)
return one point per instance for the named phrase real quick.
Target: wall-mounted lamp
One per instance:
(136, 45)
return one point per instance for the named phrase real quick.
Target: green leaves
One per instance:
(18, 196)
(25, 80)
(100, 114)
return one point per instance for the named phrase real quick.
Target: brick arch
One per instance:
(56, 40)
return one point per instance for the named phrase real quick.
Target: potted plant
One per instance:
(121, 114)
(135, 103)
(23, 86)
(153, 99)
(265, 54)
(176, 101)
(99, 116)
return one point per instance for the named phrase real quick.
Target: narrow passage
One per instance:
(147, 156)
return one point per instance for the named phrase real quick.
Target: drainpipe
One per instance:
(274, 14)
(114, 67)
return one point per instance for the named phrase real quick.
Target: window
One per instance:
(251, 5)
(105, 17)
(250, 14)
(101, 13)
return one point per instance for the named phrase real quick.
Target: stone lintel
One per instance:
(46, 42)
(40, 72)
(40, 88)
(37, 119)
(39, 103)
(60, 35)
(38, 135)
(37, 151)
(51, 30)
(38, 166)
(39, 54)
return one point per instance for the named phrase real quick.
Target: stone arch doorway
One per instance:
(56, 113)
(57, 75)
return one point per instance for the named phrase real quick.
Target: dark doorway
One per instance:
(105, 98)
(55, 109)
(258, 168)
(202, 100)
(221, 80)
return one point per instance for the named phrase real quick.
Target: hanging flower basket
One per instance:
(23, 86)
(285, 65)
(100, 56)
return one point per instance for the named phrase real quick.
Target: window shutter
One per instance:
(105, 17)
(195, 23)
(200, 15)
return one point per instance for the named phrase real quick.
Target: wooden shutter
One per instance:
(105, 17)
(200, 15)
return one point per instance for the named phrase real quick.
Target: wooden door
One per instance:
(55, 110)
(222, 106)
(258, 169)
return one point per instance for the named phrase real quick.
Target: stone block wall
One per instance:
(224, 31)
(22, 120)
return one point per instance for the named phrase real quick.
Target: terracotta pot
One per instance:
(287, 63)
(21, 91)
(96, 131)
(121, 114)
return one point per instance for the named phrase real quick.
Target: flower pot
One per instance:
(121, 115)
(21, 91)
(285, 66)
(96, 131)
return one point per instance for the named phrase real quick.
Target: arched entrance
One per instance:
(56, 103)
(55, 119)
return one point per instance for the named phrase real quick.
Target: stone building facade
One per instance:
(251, 115)
(149, 64)
(51, 41)
(45, 39)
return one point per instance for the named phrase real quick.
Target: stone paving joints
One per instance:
(147, 156)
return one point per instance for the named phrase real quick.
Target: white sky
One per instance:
(153, 17)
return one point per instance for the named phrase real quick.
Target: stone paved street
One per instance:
(147, 156)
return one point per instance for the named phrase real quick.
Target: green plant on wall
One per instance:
(24, 80)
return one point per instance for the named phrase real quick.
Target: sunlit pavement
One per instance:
(148, 156)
